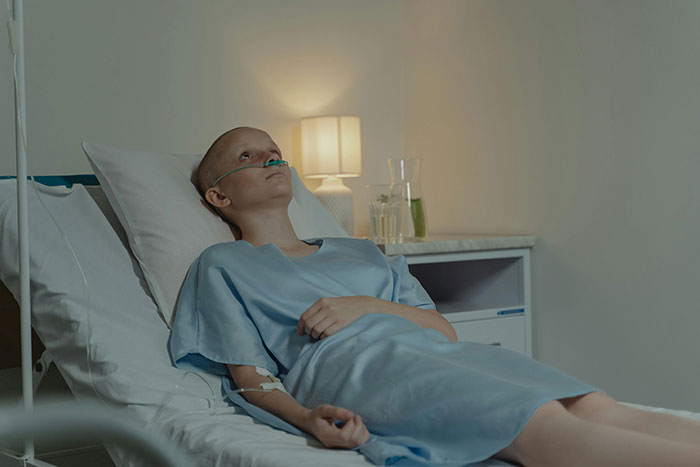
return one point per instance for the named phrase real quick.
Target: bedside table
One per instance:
(479, 283)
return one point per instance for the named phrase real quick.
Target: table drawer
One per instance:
(508, 333)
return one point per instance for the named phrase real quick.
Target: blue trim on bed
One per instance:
(57, 180)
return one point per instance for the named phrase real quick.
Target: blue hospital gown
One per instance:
(424, 399)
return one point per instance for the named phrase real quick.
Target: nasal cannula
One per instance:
(266, 164)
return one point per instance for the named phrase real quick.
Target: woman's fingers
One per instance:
(332, 329)
(352, 434)
(315, 330)
(308, 314)
(358, 431)
(361, 431)
(333, 412)
(312, 320)
(347, 430)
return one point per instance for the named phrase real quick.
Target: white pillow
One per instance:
(129, 360)
(165, 221)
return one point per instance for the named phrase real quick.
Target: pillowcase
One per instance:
(129, 362)
(129, 359)
(165, 221)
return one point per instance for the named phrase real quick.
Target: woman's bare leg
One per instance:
(601, 408)
(554, 437)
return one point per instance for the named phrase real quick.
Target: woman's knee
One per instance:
(589, 406)
(534, 433)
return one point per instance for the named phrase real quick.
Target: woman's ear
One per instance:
(216, 198)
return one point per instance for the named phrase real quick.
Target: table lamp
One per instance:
(331, 150)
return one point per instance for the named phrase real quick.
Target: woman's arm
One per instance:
(318, 422)
(423, 318)
(330, 314)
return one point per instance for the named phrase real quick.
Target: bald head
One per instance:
(234, 150)
(209, 167)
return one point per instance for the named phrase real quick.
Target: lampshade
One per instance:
(331, 146)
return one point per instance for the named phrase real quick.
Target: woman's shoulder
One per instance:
(218, 251)
(240, 250)
(349, 241)
(357, 244)
(223, 246)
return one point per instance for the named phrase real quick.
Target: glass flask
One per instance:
(406, 191)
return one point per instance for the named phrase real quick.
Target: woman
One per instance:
(355, 338)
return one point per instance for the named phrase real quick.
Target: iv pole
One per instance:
(16, 30)
(78, 419)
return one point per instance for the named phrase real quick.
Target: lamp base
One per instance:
(337, 199)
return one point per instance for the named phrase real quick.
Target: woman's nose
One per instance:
(271, 157)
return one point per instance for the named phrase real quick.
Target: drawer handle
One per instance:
(495, 344)
(512, 312)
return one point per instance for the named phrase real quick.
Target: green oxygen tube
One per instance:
(266, 164)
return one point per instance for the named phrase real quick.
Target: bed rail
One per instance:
(67, 420)
(60, 180)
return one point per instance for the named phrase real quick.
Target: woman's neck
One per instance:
(281, 235)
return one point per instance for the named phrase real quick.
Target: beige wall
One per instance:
(575, 121)
(171, 76)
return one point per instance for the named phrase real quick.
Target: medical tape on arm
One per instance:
(275, 384)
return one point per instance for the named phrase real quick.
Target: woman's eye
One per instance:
(245, 154)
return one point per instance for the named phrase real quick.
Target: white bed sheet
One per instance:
(233, 439)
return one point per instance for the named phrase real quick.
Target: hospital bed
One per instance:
(109, 341)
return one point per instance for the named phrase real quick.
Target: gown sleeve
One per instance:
(407, 289)
(212, 327)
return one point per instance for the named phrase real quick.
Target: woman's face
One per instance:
(255, 187)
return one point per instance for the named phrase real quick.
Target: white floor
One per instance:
(80, 453)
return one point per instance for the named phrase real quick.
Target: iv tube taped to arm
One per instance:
(274, 385)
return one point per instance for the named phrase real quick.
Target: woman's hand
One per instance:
(330, 314)
(319, 422)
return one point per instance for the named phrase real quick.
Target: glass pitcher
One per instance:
(406, 190)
